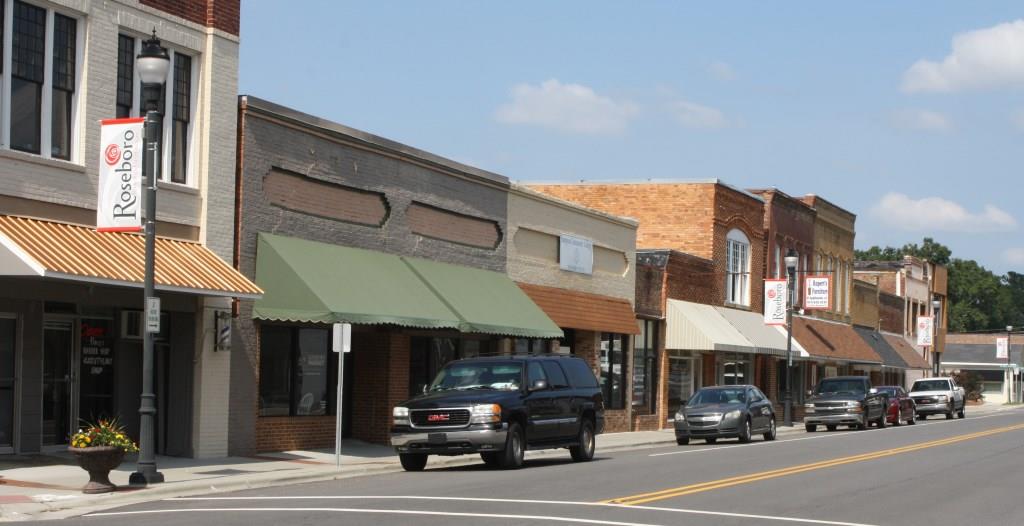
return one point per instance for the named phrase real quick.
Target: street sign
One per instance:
(817, 292)
(925, 331)
(1001, 349)
(774, 302)
(342, 340)
(153, 315)
(341, 343)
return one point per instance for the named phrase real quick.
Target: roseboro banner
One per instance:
(119, 206)
(925, 330)
(774, 302)
(817, 292)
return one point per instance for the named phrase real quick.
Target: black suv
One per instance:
(500, 407)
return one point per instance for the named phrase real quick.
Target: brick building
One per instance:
(72, 297)
(579, 266)
(834, 231)
(410, 248)
(700, 270)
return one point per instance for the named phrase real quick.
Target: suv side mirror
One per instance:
(538, 385)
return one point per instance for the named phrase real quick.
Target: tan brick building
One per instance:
(834, 231)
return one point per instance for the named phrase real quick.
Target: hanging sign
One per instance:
(775, 302)
(119, 204)
(925, 330)
(817, 292)
(1002, 352)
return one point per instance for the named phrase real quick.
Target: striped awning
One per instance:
(32, 247)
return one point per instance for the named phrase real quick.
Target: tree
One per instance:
(974, 297)
(929, 250)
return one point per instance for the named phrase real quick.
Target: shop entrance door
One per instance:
(58, 382)
(680, 382)
(8, 328)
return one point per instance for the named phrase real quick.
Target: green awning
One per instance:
(308, 281)
(485, 301)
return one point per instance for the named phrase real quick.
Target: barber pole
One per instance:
(119, 204)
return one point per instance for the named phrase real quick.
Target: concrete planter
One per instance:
(98, 461)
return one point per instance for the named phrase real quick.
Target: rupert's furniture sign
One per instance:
(119, 206)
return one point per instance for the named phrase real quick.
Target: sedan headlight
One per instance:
(731, 415)
(486, 414)
(401, 415)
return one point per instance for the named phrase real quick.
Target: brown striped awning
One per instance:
(32, 247)
(572, 309)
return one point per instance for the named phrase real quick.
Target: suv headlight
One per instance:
(485, 413)
(942, 398)
(401, 415)
(808, 408)
(852, 404)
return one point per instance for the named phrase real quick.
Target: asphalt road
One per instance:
(936, 473)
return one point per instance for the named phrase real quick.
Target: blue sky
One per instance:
(909, 115)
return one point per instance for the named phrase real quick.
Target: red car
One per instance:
(901, 406)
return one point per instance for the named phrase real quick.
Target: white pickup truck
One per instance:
(935, 396)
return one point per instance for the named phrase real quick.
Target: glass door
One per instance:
(680, 382)
(58, 382)
(8, 331)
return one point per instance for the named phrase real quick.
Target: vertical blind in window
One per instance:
(64, 41)
(27, 61)
(125, 76)
(182, 106)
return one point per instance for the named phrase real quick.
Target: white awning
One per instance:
(699, 327)
(768, 339)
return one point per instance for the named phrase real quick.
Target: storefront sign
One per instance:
(96, 369)
(119, 206)
(576, 254)
(775, 302)
(925, 329)
(1002, 351)
(817, 292)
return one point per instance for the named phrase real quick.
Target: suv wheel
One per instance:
(745, 431)
(811, 428)
(413, 461)
(584, 451)
(949, 414)
(963, 411)
(515, 447)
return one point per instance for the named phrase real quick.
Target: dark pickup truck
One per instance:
(499, 407)
(844, 400)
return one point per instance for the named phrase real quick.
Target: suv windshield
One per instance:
(479, 375)
(931, 385)
(841, 387)
(719, 396)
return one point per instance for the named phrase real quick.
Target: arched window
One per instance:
(737, 277)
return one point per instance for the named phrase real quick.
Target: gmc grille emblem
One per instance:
(441, 417)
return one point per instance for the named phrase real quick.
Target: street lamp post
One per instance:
(787, 404)
(152, 63)
(1009, 372)
(936, 353)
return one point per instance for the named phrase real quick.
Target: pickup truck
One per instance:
(844, 400)
(499, 407)
(935, 396)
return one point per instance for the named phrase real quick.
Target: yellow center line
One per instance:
(644, 498)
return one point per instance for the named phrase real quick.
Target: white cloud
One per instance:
(935, 214)
(721, 71)
(1017, 118)
(921, 120)
(570, 108)
(1014, 255)
(981, 59)
(693, 115)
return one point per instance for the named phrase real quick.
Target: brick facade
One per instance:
(788, 225)
(834, 233)
(220, 14)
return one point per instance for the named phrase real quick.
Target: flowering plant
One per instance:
(103, 433)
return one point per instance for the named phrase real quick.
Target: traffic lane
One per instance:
(627, 472)
(385, 510)
(976, 478)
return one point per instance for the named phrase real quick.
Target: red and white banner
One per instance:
(775, 302)
(925, 331)
(119, 205)
(1002, 349)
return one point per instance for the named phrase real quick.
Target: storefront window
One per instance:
(798, 373)
(613, 370)
(427, 355)
(8, 328)
(682, 381)
(734, 370)
(296, 371)
(645, 366)
(531, 346)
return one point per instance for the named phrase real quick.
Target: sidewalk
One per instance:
(47, 486)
